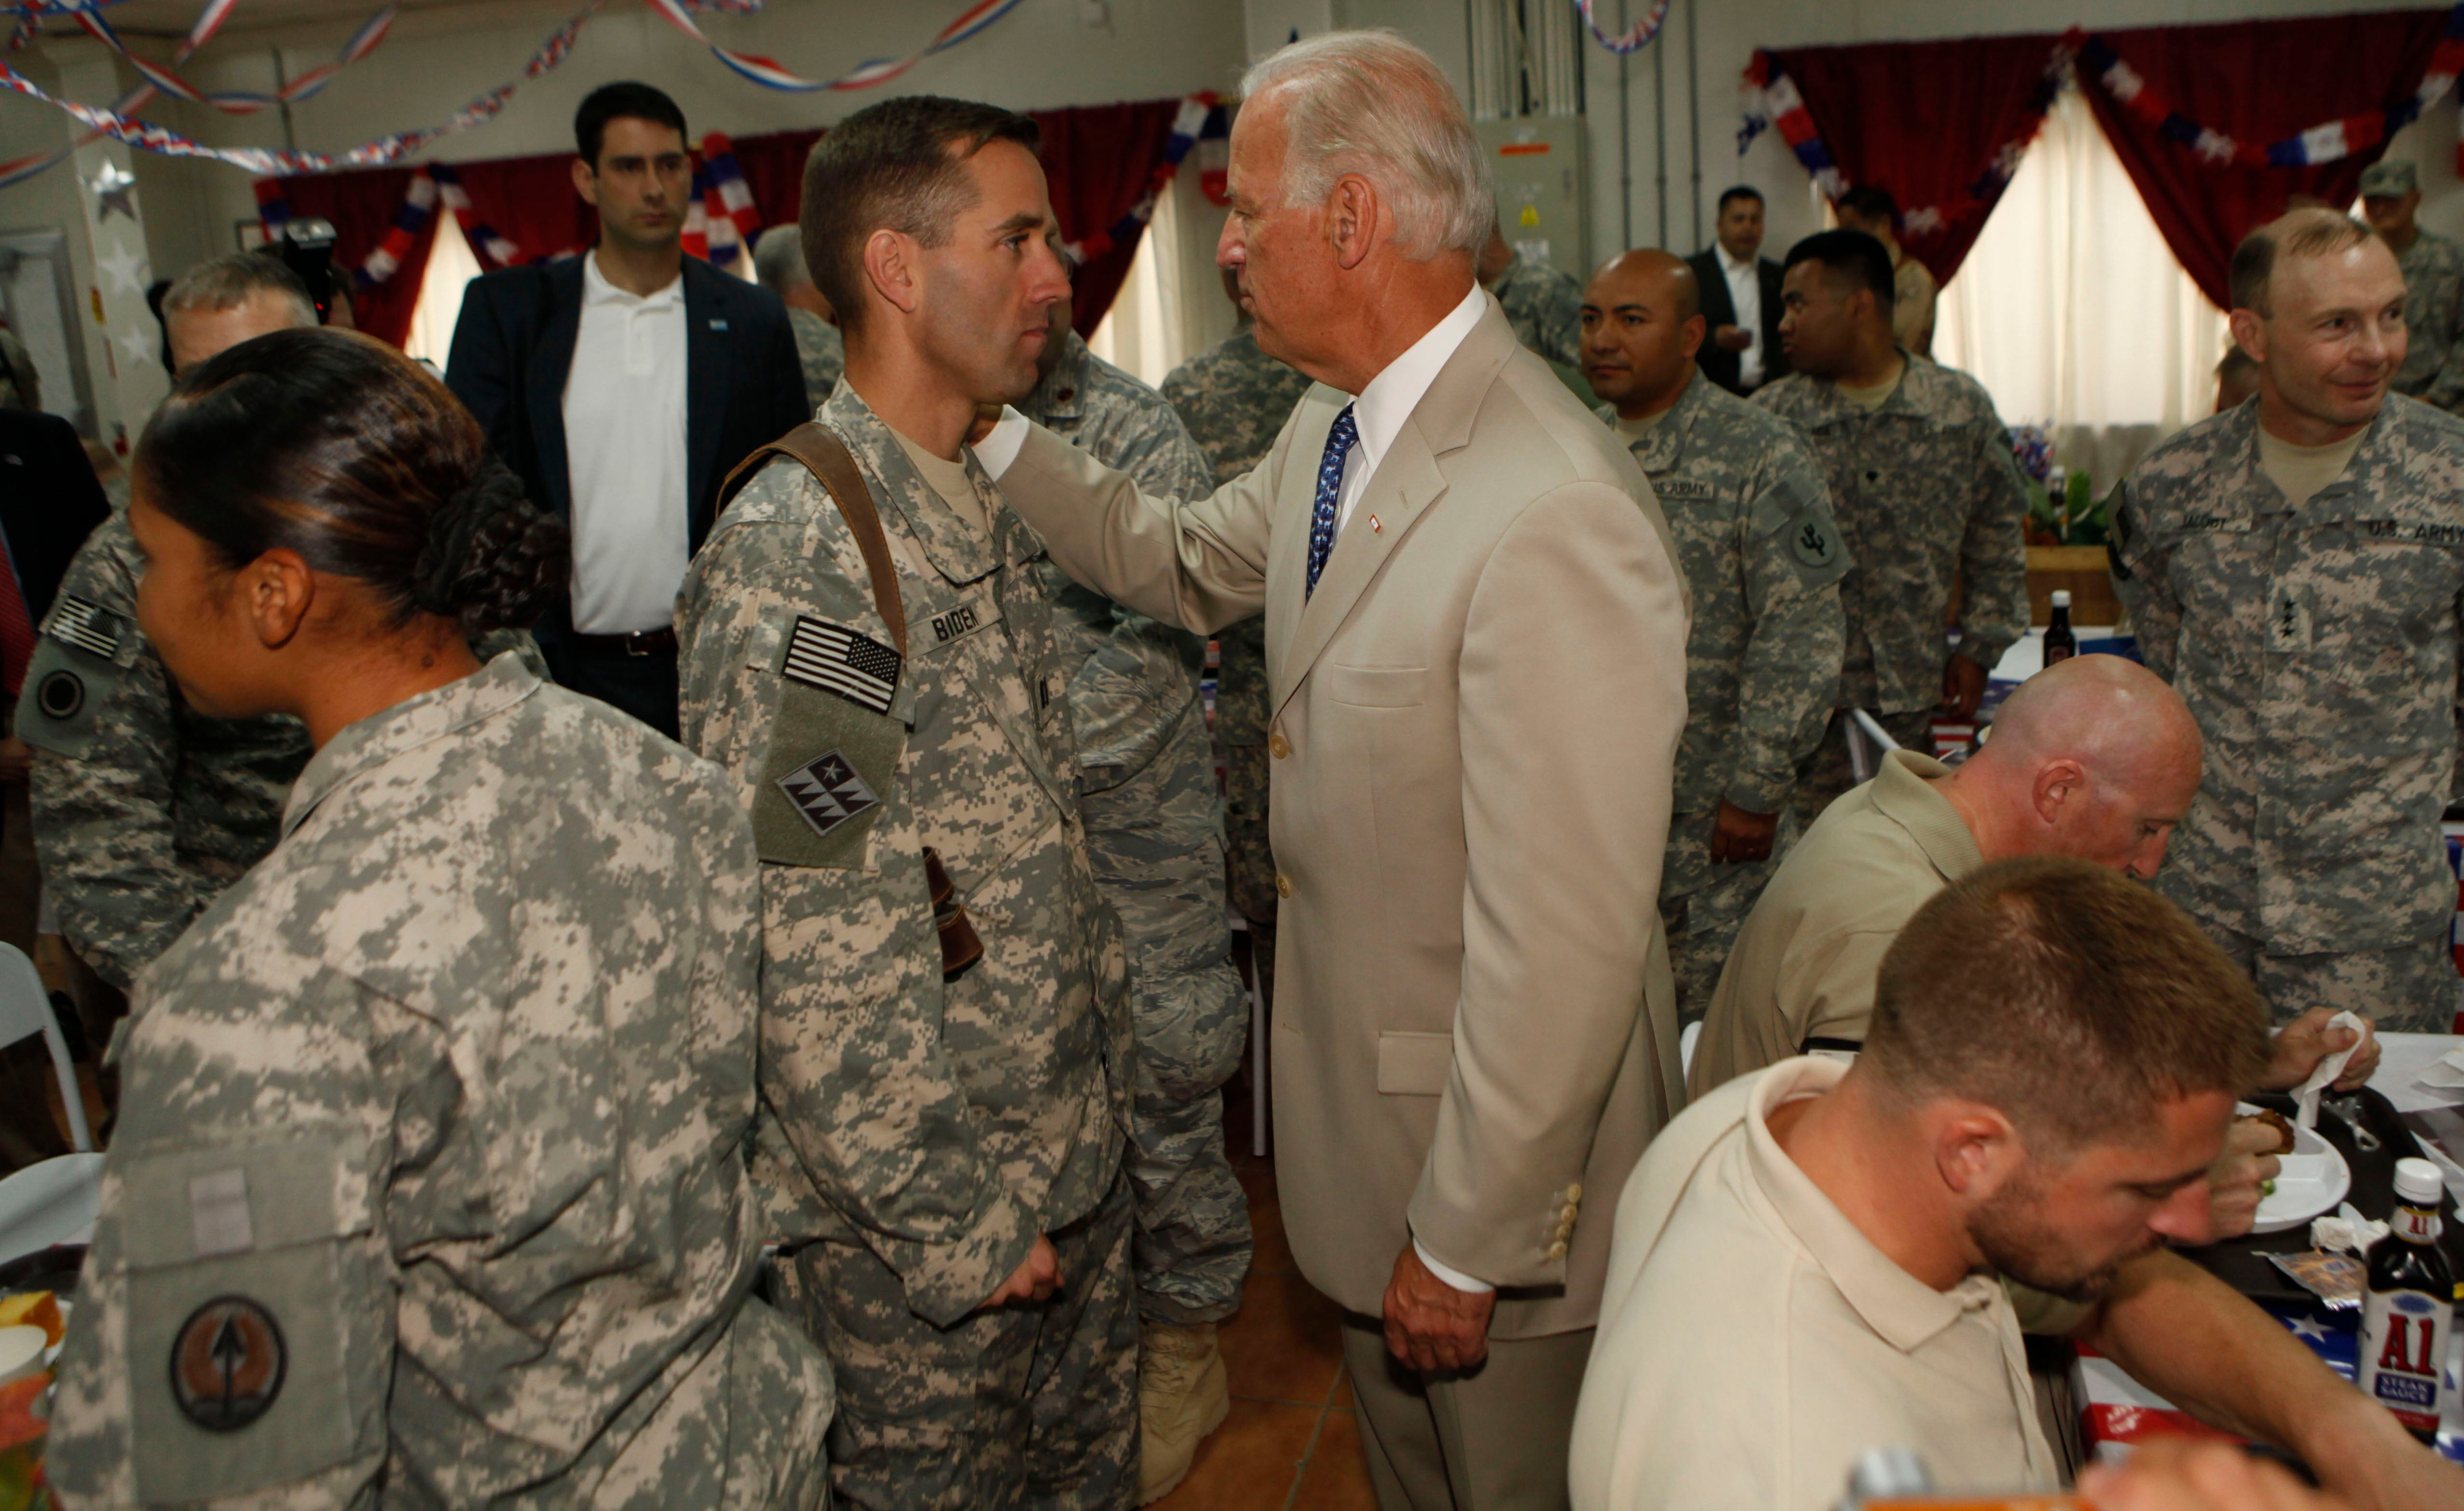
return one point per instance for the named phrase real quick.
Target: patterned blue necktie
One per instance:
(1329, 488)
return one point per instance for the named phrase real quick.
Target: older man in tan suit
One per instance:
(1476, 645)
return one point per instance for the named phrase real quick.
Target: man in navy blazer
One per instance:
(624, 386)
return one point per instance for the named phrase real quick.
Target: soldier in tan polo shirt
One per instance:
(2094, 757)
(1820, 1258)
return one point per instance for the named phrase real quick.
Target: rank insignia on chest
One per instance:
(827, 792)
(228, 1363)
(838, 661)
(87, 626)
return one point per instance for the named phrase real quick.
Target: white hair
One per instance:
(1370, 103)
(779, 260)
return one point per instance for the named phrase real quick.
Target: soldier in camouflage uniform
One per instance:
(2433, 286)
(2297, 563)
(1235, 399)
(1925, 489)
(1155, 831)
(947, 1176)
(1544, 306)
(145, 809)
(778, 262)
(1746, 502)
(429, 1183)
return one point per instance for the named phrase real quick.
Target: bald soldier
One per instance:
(2094, 757)
(1752, 518)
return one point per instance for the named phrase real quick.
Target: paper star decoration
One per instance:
(123, 267)
(113, 186)
(136, 344)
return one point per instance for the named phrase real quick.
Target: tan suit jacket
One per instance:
(1475, 721)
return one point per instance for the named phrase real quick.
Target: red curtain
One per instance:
(2257, 82)
(1099, 160)
(1926, 121)
(362, 206)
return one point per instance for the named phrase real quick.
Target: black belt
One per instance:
(659, 641)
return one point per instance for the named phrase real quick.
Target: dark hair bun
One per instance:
(491, 560)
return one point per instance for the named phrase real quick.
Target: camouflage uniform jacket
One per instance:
(943, 1124)
(144, 809)
(2317, 647)
(822, 351)
(2433, 313)
(1235, 399)
(428, 1185)
(1925, 489)
(1751, 519)
(1545, 307)
(1136, 676)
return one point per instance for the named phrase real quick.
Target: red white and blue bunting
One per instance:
(238, 102)
(1772, 102)
(769, 74)
(2324, 143)
(1187, 124)
(722, 220)
(1634, 38)
(429, 187)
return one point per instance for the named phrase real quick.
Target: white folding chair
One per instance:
(54, 1201)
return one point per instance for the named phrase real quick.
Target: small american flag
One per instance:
(838, 660)
(86, 626)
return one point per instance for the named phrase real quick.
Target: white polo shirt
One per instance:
(624, 456)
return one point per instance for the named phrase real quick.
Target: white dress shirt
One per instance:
(1746, 293)
(625, 451)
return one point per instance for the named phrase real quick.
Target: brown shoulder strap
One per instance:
(825, 456)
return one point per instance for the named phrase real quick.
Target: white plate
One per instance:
(2315, 1180)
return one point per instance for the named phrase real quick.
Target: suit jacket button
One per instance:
(1557, 1250)
(1283, 885)
(1574, 1192)
(1277, 746)
(1567, 1212)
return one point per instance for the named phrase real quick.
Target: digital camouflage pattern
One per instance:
(1236, 399)
(144, 809)
(822, 352)
(1545, 307)
(453, 1089)
(2433, 317)
(2317, 647)
(1029, 1405)
(1154, 832)
(940, 1125)
(1752, 520)
(1924, 490)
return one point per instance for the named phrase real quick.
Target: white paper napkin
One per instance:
(2329, 1068)
(2446, 1073)
(2347, 1230)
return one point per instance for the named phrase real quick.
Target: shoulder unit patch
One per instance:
(827, 791)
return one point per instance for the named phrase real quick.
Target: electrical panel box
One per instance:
(1542, 188)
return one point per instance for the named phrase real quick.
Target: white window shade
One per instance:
(2073, 312)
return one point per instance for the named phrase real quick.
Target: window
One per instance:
(2072, 311)
(451, 264)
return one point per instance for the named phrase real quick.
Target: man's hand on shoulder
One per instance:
(1430, 1324)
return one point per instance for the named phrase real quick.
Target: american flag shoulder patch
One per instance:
(838, 660)
(87, 626)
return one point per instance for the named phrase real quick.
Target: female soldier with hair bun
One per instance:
(429, 1182)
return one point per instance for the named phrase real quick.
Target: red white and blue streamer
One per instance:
(2324, 143)
(1634, 38)
(1772, 102)
(770, 73)
(1187, 124)
(121, 127)
(722, 220)
(238, 102)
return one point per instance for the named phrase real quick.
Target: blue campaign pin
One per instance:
(717, 325)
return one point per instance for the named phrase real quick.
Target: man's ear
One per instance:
(1976, 1150)
(1691, 336)
(2248, 332)
(276, 592)
(586, 183)
(889, 266)
(1351, 220)
(2056, 784)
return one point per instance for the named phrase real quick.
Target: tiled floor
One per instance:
(1293, 1442)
